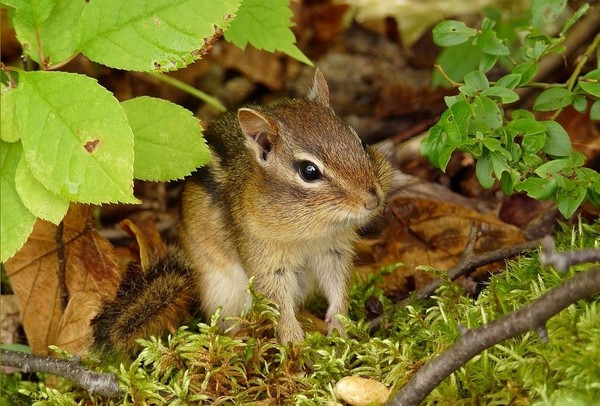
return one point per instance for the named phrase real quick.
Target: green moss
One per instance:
(198, 365)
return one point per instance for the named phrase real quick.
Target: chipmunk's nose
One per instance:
(374, 200)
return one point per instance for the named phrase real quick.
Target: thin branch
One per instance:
(532, 317)
(100, 383)
(561, 261)
(62, 266)
(466, 266)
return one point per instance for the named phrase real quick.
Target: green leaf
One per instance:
(27, 21)
(39, 200)
(527, 70)
(532, 143)
(553, 167)
(502, 93)
(456, 120)
(487, 113)
(569, 199)
(457, 61)
(265, 24)
(432, 144)
(52, 23)
(452, 32)
(477, 80)
(9, 125)
(538, 188)
(16, 222)
(151, 35)
(553, 99)
(509, 81)
(580, 103)
(484, 169)
(76, 138)
(489, 43)
(544, 12)
(558, 142)
(168, 139)
(595, 111)
(487, 62)
(592, 86)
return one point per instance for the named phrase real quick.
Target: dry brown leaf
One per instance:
(91, 274)
(428, 232)
(147, 236)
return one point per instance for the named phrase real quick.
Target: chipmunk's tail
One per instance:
(148, 302)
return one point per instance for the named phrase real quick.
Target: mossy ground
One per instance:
(197, 365)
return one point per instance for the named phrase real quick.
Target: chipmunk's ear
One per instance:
(320, 91)
(260, 131)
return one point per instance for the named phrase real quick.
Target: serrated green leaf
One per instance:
(595, 111)
(553, 99)
(558, 142)
(16, 222)
(527, 70)
(592, 85)
(168, 139)
(39, 201)
(504, 95)
(51, 23)
(151, 35)
(76, 138)
(544, 12)
(265, 24)
(538, 188)
(451, 32)
(489, 43)
(9, 125)
(483, 171)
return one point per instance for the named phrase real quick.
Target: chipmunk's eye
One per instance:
(308, 171)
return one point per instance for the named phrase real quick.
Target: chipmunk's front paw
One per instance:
(291, 333)
(334, 323)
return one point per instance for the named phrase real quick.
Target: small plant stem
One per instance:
(445, 75)
(582, 61)
(178, 84)
(62, 266)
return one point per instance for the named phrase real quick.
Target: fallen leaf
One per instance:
(428, 232)
(91, 275)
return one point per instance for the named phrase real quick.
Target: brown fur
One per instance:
(250, 214)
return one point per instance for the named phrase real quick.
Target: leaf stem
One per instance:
(582, 61)
(178, 84)
(445, 75)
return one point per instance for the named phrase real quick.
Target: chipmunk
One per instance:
(281, 200)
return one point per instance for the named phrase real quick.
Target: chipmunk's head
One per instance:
(314, 177)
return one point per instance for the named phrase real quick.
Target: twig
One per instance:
(62, 266)
(178, 84)
(561, 261)
(101, 383)
(532, 317)
(466, 265)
